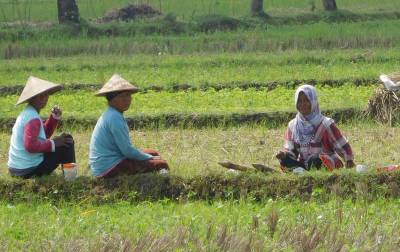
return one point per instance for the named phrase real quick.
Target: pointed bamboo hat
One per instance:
(116, 84)
(35, 86)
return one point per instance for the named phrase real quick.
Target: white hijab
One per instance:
(306, 125)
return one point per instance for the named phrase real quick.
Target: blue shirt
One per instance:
(110, 143)
(18, 156)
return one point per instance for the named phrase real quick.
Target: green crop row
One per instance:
(83, 104)
(197, 70)
(168, 25)
(275, 38)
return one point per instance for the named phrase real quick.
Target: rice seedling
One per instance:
(204, 70)
(313, 36)
(84, 104)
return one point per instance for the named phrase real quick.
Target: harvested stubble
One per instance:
(384, 105)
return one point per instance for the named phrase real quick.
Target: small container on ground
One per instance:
(70, 171)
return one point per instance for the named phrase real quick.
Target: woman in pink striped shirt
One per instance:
(311, 139)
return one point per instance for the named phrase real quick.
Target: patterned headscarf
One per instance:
(306, 125)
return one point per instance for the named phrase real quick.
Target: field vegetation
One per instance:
(89, 9)
(205, 69)
(211, 101)
(215, 84)
(197, 151)
(320, 35)
(167, 226)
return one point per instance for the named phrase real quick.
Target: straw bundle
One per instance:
(384, 106)
(395, 77)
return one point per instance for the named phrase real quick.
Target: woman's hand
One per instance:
(63, 140)
(281, 155)
(350, 164)
(56, 112)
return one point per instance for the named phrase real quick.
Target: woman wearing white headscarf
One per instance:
(312, 139)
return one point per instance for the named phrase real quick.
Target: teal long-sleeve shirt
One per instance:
(110, 143)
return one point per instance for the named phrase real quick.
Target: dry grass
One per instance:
(299, 238)
(272, 221)
(197, 151)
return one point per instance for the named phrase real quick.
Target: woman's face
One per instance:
(122, 101)
(303, 104)
(39, 101)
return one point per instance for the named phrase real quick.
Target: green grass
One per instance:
(202, 69)
(275, 38)
(186, 10)
(84, 104)
(272, 226)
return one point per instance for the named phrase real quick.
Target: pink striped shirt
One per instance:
(327, 140)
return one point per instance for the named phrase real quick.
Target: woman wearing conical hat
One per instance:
(32, 152)
(111, 150)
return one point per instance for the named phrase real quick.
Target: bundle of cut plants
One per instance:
(239, 167)
(384, 106)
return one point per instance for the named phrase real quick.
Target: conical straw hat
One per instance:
(35, 86)
(116, 83)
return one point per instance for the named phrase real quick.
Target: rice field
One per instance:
(320, 35)
(206, 68)
(193, 83)
(192, 152)
(198, 102)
